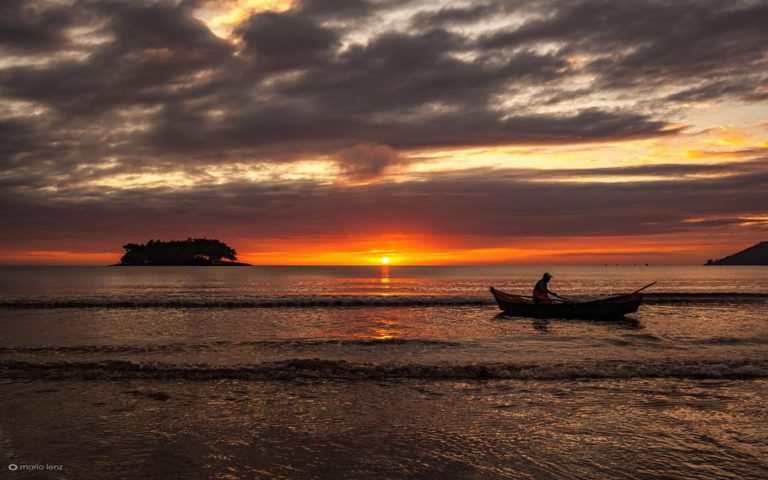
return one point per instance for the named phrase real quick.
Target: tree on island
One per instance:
(192, 251)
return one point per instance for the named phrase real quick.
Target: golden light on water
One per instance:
(384, 279)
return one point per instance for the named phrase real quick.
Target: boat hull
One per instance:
(611, 307)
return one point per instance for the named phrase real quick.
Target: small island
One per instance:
(756, 255)
(189, 252)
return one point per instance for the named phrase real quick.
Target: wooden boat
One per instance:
(608, 307)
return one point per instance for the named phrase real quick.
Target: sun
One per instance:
(385, 260)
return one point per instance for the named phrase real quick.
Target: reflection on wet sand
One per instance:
(406, 429)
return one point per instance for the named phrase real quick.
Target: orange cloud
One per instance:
(38, 257)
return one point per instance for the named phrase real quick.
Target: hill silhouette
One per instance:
(754, 255)
(192, 251)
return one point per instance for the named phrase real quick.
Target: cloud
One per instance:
(751, 88)
(92, 89)
(458, 15)
(151, 52)
(158, 56)
(283, 41)
(504, 203)
(34, 27)
(695, 45)
(367, 161)
(342, 8)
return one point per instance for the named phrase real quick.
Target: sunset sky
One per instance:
(343, 131)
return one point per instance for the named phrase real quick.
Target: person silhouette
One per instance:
(541, 290)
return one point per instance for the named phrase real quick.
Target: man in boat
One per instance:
(541, 291)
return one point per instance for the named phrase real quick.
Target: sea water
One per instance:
(380, 372)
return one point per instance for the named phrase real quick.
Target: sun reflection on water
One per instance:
(384, 280)
(387, 330)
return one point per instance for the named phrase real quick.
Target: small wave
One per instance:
(344, 370)
(186, 347)
(732, 341)
(269, 302)
(645, 337)
(330, 301)
(367, 342)
(664, 298)
(106, 349)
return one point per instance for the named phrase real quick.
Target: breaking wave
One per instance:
(330, 301)
(662, 298)
(195, 347)
(268, 302)
(343, 370)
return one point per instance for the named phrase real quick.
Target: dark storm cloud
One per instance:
(153, 50)
(158, 56)
(644, 44)
(405, 71)
(428, 98)
(747, 87)
(340, 8)
(503, 203)
(286, 41)
(456, 15)
(329, 131)
(32, 27)
(667, 170)
(480, 128)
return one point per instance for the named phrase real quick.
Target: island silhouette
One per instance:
(189, 252)
(755, 255)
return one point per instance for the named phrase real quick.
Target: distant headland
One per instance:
(189, 252)
(754, 255)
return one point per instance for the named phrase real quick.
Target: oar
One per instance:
(625, 294)
(567, 300)
(649, 285)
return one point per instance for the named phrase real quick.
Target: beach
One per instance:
(379, 372)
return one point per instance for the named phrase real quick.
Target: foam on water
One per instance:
(297, 343)
(330, 301)
(345, 370)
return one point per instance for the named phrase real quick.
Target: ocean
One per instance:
(379, 372)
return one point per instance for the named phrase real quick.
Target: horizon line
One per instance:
(601, 264)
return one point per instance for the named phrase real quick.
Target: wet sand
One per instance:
(645, 428)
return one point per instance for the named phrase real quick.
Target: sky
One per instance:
(345, 131)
